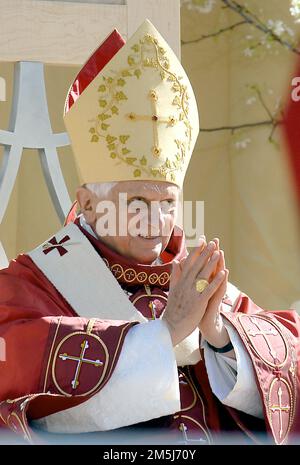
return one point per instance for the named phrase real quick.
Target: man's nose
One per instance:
(156, 219)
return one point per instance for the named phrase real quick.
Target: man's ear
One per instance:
(85, 199)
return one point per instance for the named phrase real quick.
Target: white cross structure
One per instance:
(37, 36)
(2, 89)
(30, 127)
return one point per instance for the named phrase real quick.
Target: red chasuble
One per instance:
(42, 331)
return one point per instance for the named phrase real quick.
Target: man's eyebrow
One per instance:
(132, 196)
(169, 197)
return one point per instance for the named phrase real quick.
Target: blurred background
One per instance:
(242, 58)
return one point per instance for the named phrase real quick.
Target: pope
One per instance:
(110, 323)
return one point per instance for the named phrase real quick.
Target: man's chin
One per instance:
(147, 257)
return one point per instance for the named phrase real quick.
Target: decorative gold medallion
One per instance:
(266, 339)
(80, 363)
(280, 408)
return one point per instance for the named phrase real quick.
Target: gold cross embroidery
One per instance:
(84, 346)
(156, 120)
(152, 307)
(280, 408)
(186, 440)
(264, 334)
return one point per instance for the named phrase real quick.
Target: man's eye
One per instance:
(168, 206)
(137, 204)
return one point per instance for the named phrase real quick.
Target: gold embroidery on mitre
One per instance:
(138, 119)
(112, 94)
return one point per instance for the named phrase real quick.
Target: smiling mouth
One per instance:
(148, 237)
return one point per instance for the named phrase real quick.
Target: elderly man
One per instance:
(110, 323)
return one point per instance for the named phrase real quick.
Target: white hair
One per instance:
(101, 189)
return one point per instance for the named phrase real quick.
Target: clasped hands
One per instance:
(187, 308)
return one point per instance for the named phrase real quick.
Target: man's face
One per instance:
(144, 214)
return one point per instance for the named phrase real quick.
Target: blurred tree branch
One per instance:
(251, 18)
(248, 18)
(275, 118)
(214, 34)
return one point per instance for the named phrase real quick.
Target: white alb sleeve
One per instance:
(143, 386)
(233, 381)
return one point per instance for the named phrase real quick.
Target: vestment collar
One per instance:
(127, 271)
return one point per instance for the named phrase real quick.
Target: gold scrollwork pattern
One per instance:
(112, 92)
(129, 275)
(21, 423)
(186, 380)
(142, 296)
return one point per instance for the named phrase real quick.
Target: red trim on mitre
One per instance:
(291, 131)
(104, 53)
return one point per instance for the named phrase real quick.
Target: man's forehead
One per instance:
(144, 187)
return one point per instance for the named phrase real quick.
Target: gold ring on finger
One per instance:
(201, 284)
